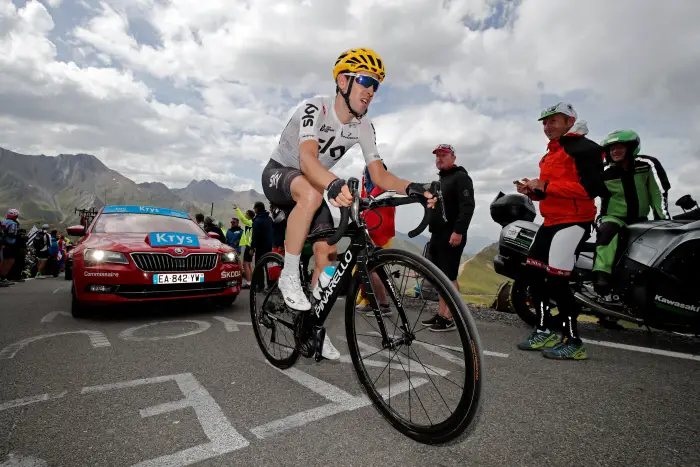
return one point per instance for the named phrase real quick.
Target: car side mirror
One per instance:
(213, 235)
(76, 230)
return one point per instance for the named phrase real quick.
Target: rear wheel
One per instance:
(273, 323)
(413, 383)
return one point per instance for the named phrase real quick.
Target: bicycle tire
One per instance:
(462, 422)
(258, 274)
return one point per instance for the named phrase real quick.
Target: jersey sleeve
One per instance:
(309, 115)
(368, 141)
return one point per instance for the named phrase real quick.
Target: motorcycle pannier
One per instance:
(512, 207)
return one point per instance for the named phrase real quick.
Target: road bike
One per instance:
(309, 332)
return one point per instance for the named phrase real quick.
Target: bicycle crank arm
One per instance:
(318, 334)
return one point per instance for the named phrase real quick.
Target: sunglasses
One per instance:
(365, 81)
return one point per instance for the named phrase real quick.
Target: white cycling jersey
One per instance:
(315, 119)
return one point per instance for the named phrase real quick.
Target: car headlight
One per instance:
(95, 257)
(229, 257)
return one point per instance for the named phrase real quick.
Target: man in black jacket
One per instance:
(449, 236)
(261, 241)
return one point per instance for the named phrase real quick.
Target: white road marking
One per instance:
(434, 371)
(48, 318)
(486, 352)
(395, 356)
(232, 325)
(649, 350)
(18, 460)
(223, 437)
(455, 348)
(57, 289)
(128, 334)
(318, 413)
(97, 339)
(320, 387)
(31, 400)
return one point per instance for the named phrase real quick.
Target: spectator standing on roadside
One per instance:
(449, 236)
(9, 233)
(381, 225)
(279, 227)
(210, 226)
(247, 220)
(261, 239)
(199, 217)
(41, 244)
(571, 177)
(233, 235)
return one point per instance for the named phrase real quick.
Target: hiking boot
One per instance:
(540, 340)
(567, 350)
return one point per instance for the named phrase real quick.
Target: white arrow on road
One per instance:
(48, 318)
(231, 325)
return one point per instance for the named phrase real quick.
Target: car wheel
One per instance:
(77, 309)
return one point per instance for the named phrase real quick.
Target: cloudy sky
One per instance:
(181, 89)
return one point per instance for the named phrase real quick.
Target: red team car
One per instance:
(145, 253)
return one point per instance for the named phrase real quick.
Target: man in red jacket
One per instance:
(571, 177)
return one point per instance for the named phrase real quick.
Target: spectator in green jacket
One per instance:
(247, 220)
(636, 185)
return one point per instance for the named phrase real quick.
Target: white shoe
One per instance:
(329, 351)
(290, 286)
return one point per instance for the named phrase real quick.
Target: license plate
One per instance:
(178, 278)
(513, 232)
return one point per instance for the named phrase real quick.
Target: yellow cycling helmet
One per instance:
(357, 60)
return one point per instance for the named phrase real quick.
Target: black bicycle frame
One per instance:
(356, 254)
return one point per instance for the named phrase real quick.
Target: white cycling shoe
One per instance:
(329, 351)
(294, 297)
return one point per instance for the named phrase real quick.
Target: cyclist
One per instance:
(570, 179)
(321, 130)
(633, 190)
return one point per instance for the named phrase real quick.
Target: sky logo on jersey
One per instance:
(144, 210)
(172, 239)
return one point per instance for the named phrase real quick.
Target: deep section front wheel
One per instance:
(424, 378)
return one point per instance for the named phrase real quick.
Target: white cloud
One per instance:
(187, 89)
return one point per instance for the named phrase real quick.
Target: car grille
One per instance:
(163, 262)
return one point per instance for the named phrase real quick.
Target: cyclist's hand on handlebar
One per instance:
(418, 189)
(339, 194)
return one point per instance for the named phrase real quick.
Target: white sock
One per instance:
(291, 263)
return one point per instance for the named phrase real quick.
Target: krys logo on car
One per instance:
(172, 238)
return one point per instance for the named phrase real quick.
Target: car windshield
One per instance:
(144, 223)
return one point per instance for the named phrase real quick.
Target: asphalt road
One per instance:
(119, 390)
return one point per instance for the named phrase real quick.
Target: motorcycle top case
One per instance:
(506, 209)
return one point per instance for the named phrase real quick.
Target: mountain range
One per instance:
(50, 189)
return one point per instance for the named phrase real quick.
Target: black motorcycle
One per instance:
(656, 277)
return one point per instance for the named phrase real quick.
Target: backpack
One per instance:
(5, 231)
(39, 241)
